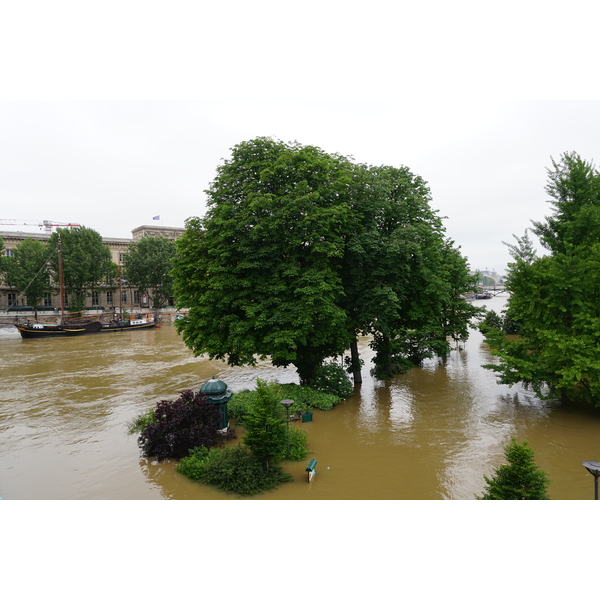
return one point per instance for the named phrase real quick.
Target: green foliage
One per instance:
(301, 251)
(305, 397)
(574, 186)
(298, 444)
(148, 264)
(234, 470)
(238, 404)
(2, 258)
(194, 465)
(27, 271)
(87, 264)
(553, 303)
(331, 378)
(260, 273)
(142, 421)
(491, 320)
(265, 424)
(520, 479)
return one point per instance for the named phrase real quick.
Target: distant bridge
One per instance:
(492, 290)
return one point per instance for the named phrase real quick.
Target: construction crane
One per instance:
(48, 225)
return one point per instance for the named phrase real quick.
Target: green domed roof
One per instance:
(215, 389)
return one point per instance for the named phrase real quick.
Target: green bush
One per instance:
(331, 378)
(491, 319)
(305, 398)
(194, 465)
(234, 470)
(298, 445)
(238, 404)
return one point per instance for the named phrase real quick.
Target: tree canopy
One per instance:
(27, 271)
(87, 263)
(148, 264)
(302, 251)
(554, 298)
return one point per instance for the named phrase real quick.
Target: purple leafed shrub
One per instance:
(182, 424)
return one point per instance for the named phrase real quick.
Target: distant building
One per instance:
(497, 278)
(108, 299)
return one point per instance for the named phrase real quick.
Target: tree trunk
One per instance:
(355, 359)
(387, 366)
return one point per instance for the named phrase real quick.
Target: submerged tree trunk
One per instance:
(355, 361)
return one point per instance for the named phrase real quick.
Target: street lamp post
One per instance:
(287, 404)
(594, 468)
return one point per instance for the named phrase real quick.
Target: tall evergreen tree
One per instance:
(265, 423)
(520, 479)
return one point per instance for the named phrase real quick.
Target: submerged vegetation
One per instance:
(520, 479)
(234, 470)
(187, 429)
(173, 427)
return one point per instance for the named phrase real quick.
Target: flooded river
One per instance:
(431, 433)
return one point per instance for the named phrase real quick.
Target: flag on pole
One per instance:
(156, 218)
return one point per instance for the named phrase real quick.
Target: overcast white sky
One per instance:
(116, 112)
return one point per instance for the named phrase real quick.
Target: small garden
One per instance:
(187, 429)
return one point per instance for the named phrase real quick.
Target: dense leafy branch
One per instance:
(554, 298)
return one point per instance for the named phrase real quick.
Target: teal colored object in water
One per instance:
(218, 394)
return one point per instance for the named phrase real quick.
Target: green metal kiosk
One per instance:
(218, 394)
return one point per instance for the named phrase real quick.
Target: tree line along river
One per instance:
(431, 433)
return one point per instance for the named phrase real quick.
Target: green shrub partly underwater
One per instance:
(332, 378)
(304, 398)
(234, 470)
(142, 421)
(298, 444)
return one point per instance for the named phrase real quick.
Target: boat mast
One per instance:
(60, 280)
(120, 293)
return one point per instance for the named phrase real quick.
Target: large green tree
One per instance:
(403, 280)
(86, 263)
(260, 273)
(554, 298)
(28, 271)
(301, 251)
(148, 264)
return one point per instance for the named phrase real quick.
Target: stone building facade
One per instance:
(107, 299)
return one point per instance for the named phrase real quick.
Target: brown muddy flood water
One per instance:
(429, 434)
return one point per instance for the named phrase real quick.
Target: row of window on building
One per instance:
(110, 297)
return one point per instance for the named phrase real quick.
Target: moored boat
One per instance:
(70, 328)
